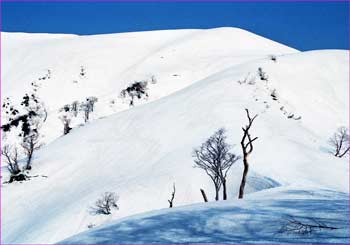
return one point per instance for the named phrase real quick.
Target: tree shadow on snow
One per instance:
(257, 222)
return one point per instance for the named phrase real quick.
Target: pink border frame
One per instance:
(257, 1)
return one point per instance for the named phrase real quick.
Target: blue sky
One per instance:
(304, 26)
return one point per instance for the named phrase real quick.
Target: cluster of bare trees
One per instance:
(67, 112)
(215, 158)
(25, 121)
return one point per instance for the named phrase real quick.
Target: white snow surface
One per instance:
(205, 79)
(241, 221)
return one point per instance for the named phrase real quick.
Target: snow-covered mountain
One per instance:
(198, 81)
(169, 60)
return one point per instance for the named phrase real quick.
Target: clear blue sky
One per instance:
(304, 26)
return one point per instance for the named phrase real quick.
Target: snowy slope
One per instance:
(139, 153)
(175, 59)
(240, 221)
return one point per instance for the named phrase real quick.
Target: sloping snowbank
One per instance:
(241, 221)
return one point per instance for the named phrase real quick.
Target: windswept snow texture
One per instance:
(244, 221)
(205, 79)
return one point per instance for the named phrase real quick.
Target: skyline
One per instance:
(304, 26)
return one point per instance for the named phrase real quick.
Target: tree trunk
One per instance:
(86, 116)
(29, 160)
(204, 196)
(224, 192)
(217, 190)
(244, 177)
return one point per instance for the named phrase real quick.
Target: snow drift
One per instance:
(243, 221)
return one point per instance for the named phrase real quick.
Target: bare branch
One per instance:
(247, 149)
(11, 158)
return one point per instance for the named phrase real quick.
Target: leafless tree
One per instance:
(29, 145)
(247, 148)
(66, 113)
(304, 227)
(92, 100)
(138, 89)
(340, 142)
(88, 106)
(87, 109)
(105, 204)
(74, 107)
(171, 200)
(10, 155)
(214, 157)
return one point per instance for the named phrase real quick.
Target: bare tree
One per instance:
(11, 158)
(74, 108)
(105, 204)
(66, 124)
(92, 100)
(340, 142)
(28, 121)
(214, 157)
(66, 113)
(87, 109)
(304, 227)
(138, 89)
(247, 148)
(171, 200)
(88, 106)
(29, 145)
